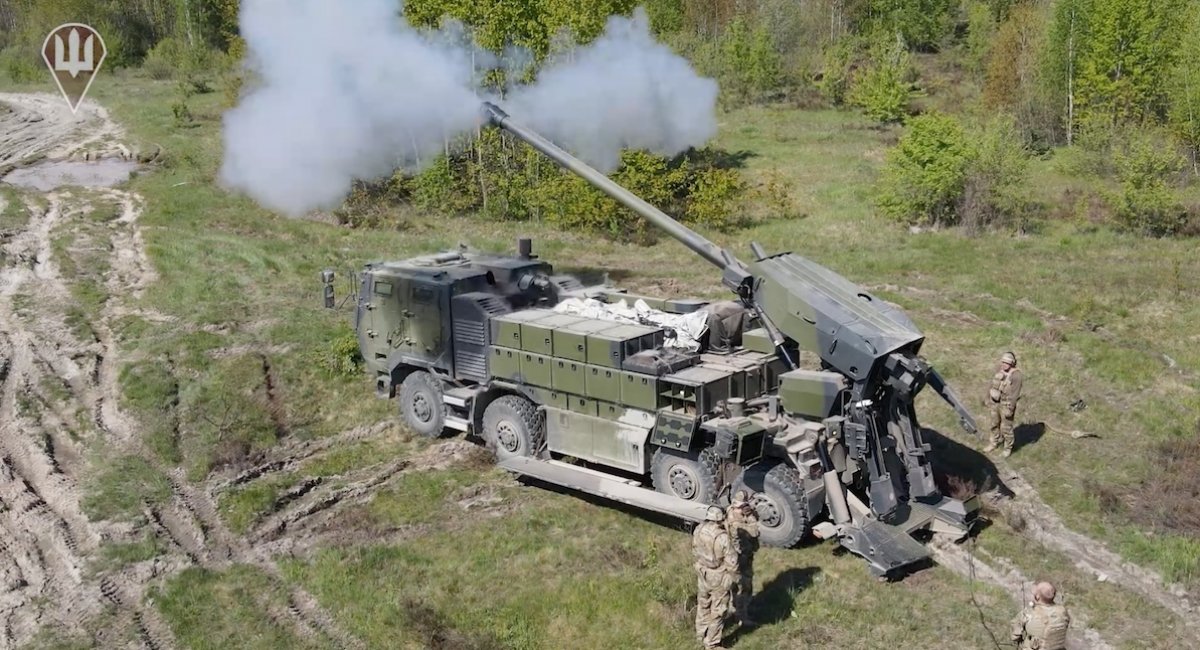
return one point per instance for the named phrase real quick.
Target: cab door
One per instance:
(427, 320)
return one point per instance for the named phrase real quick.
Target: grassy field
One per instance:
(1092, 315)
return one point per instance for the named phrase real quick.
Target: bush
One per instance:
(834, 82)
(937, 176)
(341, 357)
(884, 89)
(926, 172)
(993, 191)
(1146, 203)
(22, 65)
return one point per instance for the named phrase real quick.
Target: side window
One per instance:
(383, 289)
(424, 295)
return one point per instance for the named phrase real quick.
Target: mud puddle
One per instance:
(52, 175)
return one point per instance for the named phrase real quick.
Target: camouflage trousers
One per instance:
(712, 603)
(1001, 419)
(743, 591)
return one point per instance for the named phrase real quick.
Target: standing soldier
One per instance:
(742, 522)
(716, 562)
(1043, 625)
(1002, 401)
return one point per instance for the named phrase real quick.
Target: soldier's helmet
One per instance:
(740, 497)
(1009, 358)
(714, 514)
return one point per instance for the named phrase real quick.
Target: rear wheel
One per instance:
(421, 405)
(513, 426)
(777, 493)
(686, 474)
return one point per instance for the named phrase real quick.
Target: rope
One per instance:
(978, 608)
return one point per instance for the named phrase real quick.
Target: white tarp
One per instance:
(688, 328)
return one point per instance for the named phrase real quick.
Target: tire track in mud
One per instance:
(1042, 524)
(962, 560)
(45, 539)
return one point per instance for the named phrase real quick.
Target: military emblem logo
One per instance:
(74, 52)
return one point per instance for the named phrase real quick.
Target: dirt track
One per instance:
(49, 378)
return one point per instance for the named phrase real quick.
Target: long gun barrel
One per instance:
(735, 271)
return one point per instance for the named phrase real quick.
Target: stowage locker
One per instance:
(569, 376)
(536, 370)
(604, 383)
(537, 336)
(570, 341)
(506, 329)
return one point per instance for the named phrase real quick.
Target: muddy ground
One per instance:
(59, 398)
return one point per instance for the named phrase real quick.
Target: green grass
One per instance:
(1089, 312)
(227, 609)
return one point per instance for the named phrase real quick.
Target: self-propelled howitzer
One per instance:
(870, 343)
(618, 403)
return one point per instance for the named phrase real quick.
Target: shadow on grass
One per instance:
(1027, 434)
(960, 471)
(773, 604)
(666, 521)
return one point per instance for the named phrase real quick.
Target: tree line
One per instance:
(1110, 87)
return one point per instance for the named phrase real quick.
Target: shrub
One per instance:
(938, 176)
(993, 191)
(341, 357)
(21, 64)
(925, 174)
(884, 89)
(1146, 203)
(834, 82)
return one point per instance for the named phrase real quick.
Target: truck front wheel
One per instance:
(421, 405)
(778, 495)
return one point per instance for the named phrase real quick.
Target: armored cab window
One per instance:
(424, 294)
(383, 288)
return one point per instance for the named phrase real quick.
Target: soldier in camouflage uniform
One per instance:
(1002, 403)
(716, 563)
(1043, 625)
(726, 323)
(741, 519)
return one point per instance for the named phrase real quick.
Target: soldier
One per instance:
(1002, 402)
(726, 323)
(741, 520)
(1043, 625)
(716, 562)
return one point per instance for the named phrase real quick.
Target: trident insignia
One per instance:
(74, 53)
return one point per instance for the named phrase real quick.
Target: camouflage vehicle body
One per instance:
(471, 343)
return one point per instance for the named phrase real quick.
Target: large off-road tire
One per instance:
(688, 475)
(421, 405)
(513, 426)
(778, 496)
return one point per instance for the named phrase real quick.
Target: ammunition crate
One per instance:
(536, 370)
(569, 376)
(639, 391)
(552, 398)
(506, 329)
(505, 363)
(603, 383)
(538, 336)
(695, 390)
(570, 341)
(582, 405)
(609, 347)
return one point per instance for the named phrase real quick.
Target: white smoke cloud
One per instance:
(348, 91)
(623, 90)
